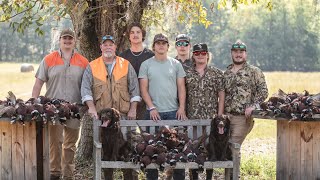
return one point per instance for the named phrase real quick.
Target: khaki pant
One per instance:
(62, 149)
(240, 128)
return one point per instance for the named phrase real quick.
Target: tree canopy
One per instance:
(283, 39)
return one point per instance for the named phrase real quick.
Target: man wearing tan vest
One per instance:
(111, 82)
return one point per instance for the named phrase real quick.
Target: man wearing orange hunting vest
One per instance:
(111, 82)
(62, 72)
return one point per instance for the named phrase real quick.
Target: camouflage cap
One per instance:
(67, 32)
(160, 37)
(182, 37)
(239, 45)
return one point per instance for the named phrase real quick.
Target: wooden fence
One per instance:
(21, 151)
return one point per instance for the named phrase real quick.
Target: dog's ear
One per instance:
(214, 116)
(116, 114)
(225, 116)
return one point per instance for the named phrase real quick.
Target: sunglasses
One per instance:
(197, 53)
(107, 37)
(239, 46)
(182, 43)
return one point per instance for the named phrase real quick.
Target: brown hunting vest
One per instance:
(111, 92)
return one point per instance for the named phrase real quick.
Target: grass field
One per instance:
(258, 150)
(13, 80)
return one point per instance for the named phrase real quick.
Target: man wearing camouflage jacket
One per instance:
(245, 89)
(205, 91)
(205, 86)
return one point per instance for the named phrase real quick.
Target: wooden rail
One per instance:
(195, 130)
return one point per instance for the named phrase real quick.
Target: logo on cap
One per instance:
(107, 37)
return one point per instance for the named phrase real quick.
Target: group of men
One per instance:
(184, 87)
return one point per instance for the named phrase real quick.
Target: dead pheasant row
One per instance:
(292, 106)
(38, 109)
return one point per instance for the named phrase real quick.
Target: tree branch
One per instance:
(20, 12)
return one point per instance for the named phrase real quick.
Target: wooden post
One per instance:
(46, 159)
(5, 151)
(30, 151)
(97, 149)
(235, 148)
(39, 149)
(17, 150)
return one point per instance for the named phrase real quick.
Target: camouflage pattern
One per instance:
(186, 64)
(202, 92)
(245, 88)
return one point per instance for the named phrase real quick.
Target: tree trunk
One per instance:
(101, 18)
(85, 146)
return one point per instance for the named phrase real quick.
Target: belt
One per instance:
(236, 113)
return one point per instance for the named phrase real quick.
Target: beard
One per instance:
(238, 62)
(107, 54)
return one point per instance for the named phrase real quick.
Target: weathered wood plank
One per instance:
(96, 149)
(282, 149)
(30, 151)
(196, 122)
(293, 150)
(189, 165)
(199, 131)
(17, 151)
(316, 152)
(6, 149)
(257, 114)
(1, 126)
(306, 133)
(46, 158)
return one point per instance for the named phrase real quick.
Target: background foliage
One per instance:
(283, 39)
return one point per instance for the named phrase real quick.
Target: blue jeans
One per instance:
(152, 174)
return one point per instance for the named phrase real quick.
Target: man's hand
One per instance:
(93, 113)
(132, 114)
(181, 114)
(154, 115)
(248, 111)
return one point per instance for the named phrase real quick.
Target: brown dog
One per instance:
(218, 147)
(114, 147)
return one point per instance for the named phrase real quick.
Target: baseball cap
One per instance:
(67, 32)
(200, 47)
(239, 45)
(182, 37)
(160, 37)
(107, 37)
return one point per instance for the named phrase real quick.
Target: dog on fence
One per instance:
(114, 147)
(218, 147)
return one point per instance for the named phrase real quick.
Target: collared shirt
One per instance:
(186, 64)
(244, 88)
(62, 76)
(203, 92)
(87, 80)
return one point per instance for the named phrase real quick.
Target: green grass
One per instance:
(258, 167)
(263, 129)
(12, 79)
